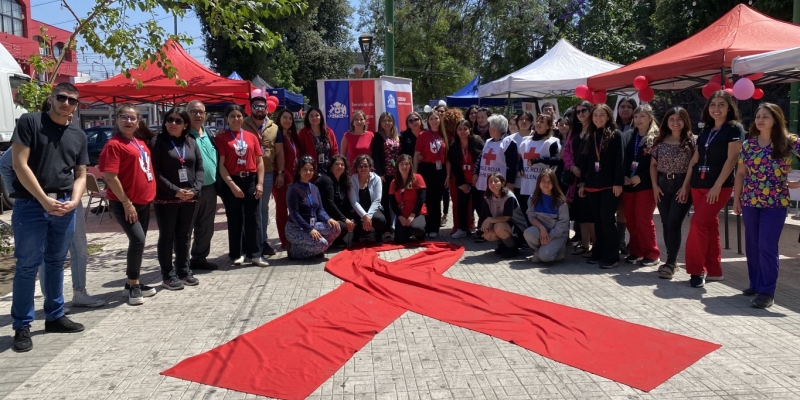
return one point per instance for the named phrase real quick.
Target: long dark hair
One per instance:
(474, 142)
(503, 187)
(301, 162)
(557, 195)
(276, 118)
(733, 110)
(632, 102)
(181, 113)
(575, 124)
(607, 131)
(344, 180)
(323, 132)
(408, 183)
(469, 111)
(779, 136)
(664, 130)
(143, 131)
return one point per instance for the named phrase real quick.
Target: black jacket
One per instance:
(611, 163)
(643, 157)
(475, 148)
(166, 165)
(407, 142)
(334, 197)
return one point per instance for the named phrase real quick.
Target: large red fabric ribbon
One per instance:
(292, 355)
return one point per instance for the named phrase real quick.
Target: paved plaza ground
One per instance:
(124, 348)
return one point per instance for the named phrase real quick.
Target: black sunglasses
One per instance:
(414, 120)
(582, 110)
(178, 121)
(61, 98)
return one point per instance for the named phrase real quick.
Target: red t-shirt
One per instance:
(358, 145)
(226, 142)
(123, 157)
(407, 198)
(431, 145)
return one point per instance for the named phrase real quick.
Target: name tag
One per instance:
(438, 164)
(597, 166)
(634, 165)
(241, 161)
(183, 175)
(312, 221)
(321, 158)
(467, 167)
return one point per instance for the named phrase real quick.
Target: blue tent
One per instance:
(235, 75)
(468, 95)
(290, 100)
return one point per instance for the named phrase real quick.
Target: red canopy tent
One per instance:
(688, 64)
(202, 84)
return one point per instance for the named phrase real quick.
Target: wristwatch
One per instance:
(280, 172)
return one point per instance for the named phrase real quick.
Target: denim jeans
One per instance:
(78, 254)
(39, 238)
(263, 225)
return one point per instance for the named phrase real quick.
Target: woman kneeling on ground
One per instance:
(549, 217)
(502, 214)
(407, 195)
(308, 235)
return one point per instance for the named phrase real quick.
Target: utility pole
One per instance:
(795, 88)
(389, 32)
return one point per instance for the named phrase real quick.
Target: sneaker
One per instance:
(459, 234)
(625, 250)
(433, 235)
(202, 265)
(22, 340)
(534, 258)
(593, 261)
(697, 281)
(510, 252)
(147, 291)
(749, 292)
(715, 278)
(62, 325)
(267, 250)
(173, 283)
(135, 296)
(444, 220)
(526, 247)
(631, 259)
(81, 298)
(260, 261)
(239, 261)
(339, 244)
(608, 265)
(763, 301)
(501, 248)
(190, 280)
(479, 239)
(667, 271)
(649, 262)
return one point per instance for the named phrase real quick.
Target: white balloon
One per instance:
(427, 108)
(442, 103)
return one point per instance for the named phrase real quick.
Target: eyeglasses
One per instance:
(176, 121)
(363, 166)
(127, 118)
(259, 107)
(62, 98)
(412, 120)
(197, 112)
(582, 110)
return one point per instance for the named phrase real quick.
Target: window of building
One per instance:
(11, 17)
(44, 50)
(58, 49)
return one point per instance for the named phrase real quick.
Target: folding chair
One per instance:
(94, 192)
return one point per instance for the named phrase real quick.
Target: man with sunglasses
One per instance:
(49, 159)
(267, 132)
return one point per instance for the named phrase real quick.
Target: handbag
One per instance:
(568, 177)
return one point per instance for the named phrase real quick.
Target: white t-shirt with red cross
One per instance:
(530, 150)
(493, 159)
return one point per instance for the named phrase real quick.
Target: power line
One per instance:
(42, 4)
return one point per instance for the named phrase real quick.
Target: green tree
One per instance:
(314, 45)
(611, 30)
(106, 30)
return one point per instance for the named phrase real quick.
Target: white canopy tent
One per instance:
(555, 74)
(779, 66)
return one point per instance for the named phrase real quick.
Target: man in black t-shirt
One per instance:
(49, 159)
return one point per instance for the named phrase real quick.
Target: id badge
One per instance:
(438, 164)
(703, 169)
(149, 176)
(597, 166)
(634, 165)
(467, 167)
(312, 221)
(241, 161)
(321, 158)
(183, 175)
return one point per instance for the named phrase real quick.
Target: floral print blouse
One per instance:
(765, 179)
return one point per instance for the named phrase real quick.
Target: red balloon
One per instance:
(640, 82)
(715, 79)
(647, 94)
(756, 76)
(599, 97)
(583, 92)
(274, 98)
(728, 84)
(710, 88)
(758, 94)
(271, 107)
(729, 91)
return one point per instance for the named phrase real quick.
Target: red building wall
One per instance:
(22, 47)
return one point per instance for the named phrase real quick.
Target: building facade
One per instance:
(22, 37)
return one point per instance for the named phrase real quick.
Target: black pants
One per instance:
(414, 231)
(434, 183)
(446, 199)
(242, 217)
(523, 204)
(174, 230)
(603, 206)
(463, 207)
(672, 213)
(136, 232)
(204, 212)
(477, 204)
(378, 226)
(386, 204)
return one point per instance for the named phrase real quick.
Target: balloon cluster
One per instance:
(642, 84)
(583, 92)
(272, 101)
(743, 89)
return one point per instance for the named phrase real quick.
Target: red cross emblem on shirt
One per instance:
(489, 157)
(531, 154)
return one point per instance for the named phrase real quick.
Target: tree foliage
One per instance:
(107, 30)
(314, 45)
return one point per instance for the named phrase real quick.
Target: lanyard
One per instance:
(181, 154)
(597, 146)
(142, 154)
(711, 137)
(310, 198)
(465, 154)
(636, 146)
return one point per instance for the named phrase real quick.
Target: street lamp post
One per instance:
(182, 6)
(389, 32)
(365, 43)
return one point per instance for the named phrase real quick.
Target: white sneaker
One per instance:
(715, 278)
(433, 235)
(459, 234)
(81, 298)
(534, 258)
(260, 261)
(239, 261)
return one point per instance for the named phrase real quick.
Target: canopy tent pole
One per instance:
(508, 103)
(794, 89)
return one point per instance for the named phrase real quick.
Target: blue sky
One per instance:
(48, 11)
